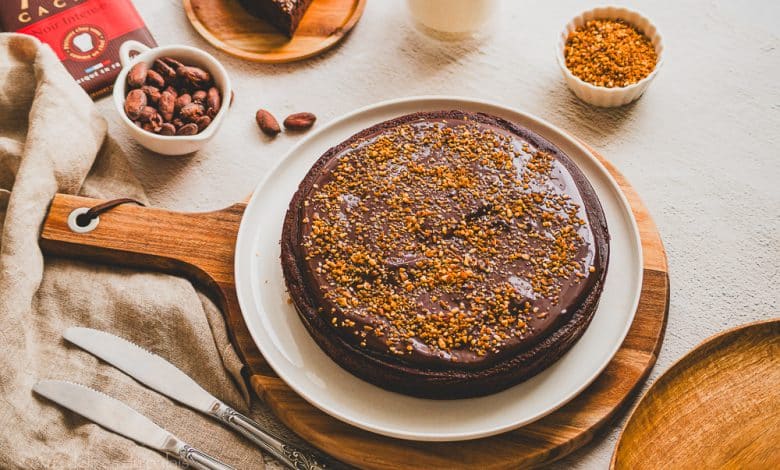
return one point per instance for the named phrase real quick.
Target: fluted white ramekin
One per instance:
(603, 96)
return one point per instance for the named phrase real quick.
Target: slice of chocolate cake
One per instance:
(285, 15)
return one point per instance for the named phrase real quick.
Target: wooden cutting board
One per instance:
(201, 247)
(230, 28)
(717, 407)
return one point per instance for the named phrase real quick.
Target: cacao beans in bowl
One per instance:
(172, 99)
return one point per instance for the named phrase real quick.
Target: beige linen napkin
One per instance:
(52, 140)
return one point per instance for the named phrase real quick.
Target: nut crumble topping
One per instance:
(448, 236)
(609, 53)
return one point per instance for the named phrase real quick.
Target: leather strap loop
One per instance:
(87, 217)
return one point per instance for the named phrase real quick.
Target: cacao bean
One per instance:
(152, 94)
(177, 122)
(203, 122)
(170, 89)
(167, 72)
(194, 76)
(155, 79)
(157, 121)
(136, 77)
(299, 121)
(182, 101)
(199, 96)
(267, 123)
(134, 103)
(148, 127)
(167, 129)
(191, 112)
(147, 113)
(188, 129)
(213, 99)
(167, 105)
(173, 63)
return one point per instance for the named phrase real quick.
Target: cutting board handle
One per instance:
(198, 246)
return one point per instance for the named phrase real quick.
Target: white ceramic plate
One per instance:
(293, 354)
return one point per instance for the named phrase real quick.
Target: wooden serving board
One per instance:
(230, 28)
(201, 247)
(717, 407)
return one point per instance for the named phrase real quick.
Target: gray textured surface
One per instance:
(702, 147)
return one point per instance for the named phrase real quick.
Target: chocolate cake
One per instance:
(445, 254)
(285, 15)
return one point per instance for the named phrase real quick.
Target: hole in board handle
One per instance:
(80, 222)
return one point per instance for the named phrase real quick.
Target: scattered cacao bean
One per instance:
(182, 101)
(168, 72)
(188, 129)
(299, 121)
(191, 112)
(136, 77)
(155, 79)
(203, 122)
(267, 123)
(152, 94)
(199, 96)
(134, 103)
(167, 129)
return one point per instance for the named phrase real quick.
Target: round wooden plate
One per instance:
(717, 407)
(230, 28)
(174, 242)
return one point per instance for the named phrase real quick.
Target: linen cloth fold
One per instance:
(53, 140)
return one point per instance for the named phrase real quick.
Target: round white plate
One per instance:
(293, 354)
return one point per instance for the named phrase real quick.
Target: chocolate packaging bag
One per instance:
(85, 34)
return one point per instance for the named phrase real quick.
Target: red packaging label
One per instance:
(85, 34)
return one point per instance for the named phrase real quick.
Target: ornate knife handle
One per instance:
(291, 456)
(201, 460)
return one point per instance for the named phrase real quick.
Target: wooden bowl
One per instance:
(717, 407)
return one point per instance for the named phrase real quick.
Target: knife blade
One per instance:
(144, 366)
(162, 376)
(117, 417)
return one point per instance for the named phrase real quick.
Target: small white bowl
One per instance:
(174, 144)
(603, 96)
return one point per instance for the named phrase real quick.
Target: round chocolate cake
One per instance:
(445, 254)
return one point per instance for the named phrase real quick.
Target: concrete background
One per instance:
(702, 147)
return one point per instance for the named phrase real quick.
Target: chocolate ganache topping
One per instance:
(446, 241)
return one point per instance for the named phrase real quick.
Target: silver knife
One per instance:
(159, 374)
(115, 416)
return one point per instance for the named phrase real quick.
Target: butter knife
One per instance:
(117, 417)
(162, 376)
